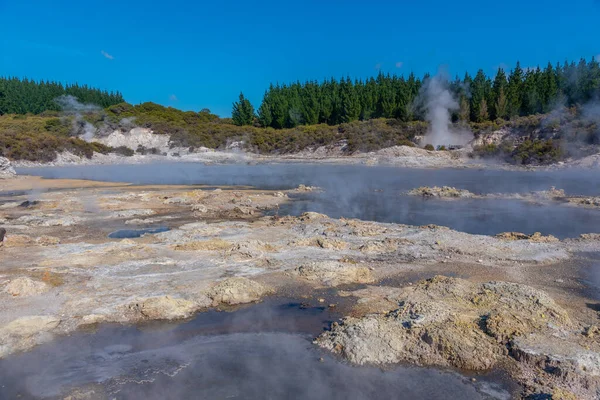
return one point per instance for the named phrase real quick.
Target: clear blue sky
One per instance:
(196, 54)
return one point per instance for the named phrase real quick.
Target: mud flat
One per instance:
(424, 295)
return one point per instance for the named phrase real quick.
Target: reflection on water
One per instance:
(260, 352)
(376, 193)
(136, 233)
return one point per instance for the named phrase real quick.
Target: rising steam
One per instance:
(71, 106)
(439, 103)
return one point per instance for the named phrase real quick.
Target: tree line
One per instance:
(518, 92)
(22, 96)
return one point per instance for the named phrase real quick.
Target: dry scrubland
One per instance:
(514, 302)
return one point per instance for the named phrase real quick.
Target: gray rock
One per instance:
(6, 169)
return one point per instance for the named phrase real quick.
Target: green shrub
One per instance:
(536, 152)
(429, 147)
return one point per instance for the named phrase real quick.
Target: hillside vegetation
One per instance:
(36, 138)
(535, 139)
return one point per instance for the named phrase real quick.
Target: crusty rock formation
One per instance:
(25, 286)
(237, 290)
(333, 273)
(6, 169)
(454, 322)
(442, 192)
(164, 307)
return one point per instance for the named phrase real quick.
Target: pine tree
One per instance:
(309, 96)
(483, 111)
(464, 113)
(265, 118)
(515, 81)
(349, 102)
(549, 88)
(501, 106)
(499, 90)
(478, 94)
(243, 112)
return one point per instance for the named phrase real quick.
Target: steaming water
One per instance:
(590, 275)
(136, 233)
(259, 352)
(376, 193)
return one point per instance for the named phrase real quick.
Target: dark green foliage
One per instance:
(243, 112)
(481, 99)
(336, 102)
(22, 96)
(429, 147)
(123, 150)
(536, 151)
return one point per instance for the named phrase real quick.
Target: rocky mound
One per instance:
(6, 169)
(163, 307)
(25, 286)
(237, 290)
(442, 192)
(135, 138)
(333, 273)
(453, 322)
(537, 237)
(415, 157)
(585, 201)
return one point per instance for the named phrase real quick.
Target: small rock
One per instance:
(201, 208)
(238, 290)
(332, 273)
(24, 287)
(31, 325)
(47, 240)
(164, 307)
(321, 300)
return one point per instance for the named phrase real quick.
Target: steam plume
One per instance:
(439, 103)
(81, 127)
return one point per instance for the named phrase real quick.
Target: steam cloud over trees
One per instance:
(28, 96)
(481, 98)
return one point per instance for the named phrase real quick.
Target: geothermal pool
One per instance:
(261, 351)
(378, 193)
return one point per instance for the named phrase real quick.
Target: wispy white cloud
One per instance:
(105, 54)
(378, 66)
(173, 97)
(597, 57)
(399, 64)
